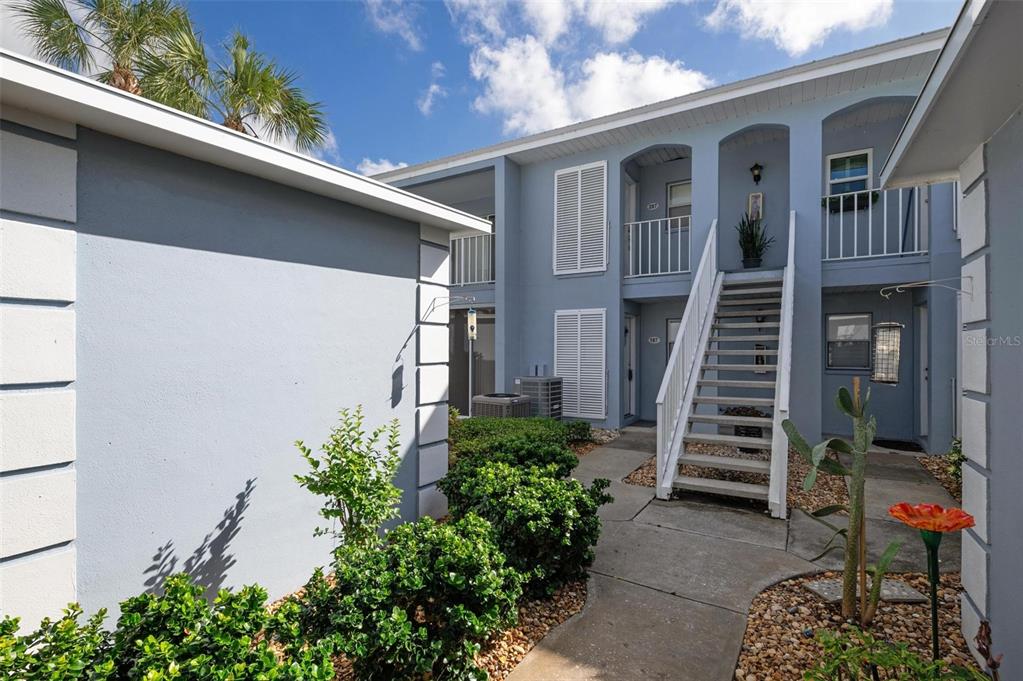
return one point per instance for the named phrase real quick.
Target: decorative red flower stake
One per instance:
(932, 520)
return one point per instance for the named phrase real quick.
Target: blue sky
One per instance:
(500, 69)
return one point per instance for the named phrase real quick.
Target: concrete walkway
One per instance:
(673, 581)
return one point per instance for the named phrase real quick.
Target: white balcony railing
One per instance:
(472, 259)
(654, 247)
(873, 224)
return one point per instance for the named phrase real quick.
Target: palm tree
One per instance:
(250, 93)
(112, 35)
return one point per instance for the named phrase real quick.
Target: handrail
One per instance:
(472, 259)
(778, 486)
(873, 223)
(675, 396)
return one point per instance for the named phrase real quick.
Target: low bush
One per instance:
(481, 434)
(545, 525)
(176, 635)
(954, 459)
(857, 655)
(578, 431)
(420, 606)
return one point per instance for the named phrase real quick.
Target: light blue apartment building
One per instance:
(614, 264)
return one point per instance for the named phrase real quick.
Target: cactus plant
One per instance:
(855, 568)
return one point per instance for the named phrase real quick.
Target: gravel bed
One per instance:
(776, 646)
(504, 651)
(598, 437)
(938, 467)
(828, 490)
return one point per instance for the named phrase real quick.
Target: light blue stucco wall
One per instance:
(220, 318)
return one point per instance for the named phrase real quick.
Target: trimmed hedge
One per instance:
(418, 607)
(545, 525)
(483, 434)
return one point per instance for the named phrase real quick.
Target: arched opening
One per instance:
(859, 220)
(657, 204)
(740, 191)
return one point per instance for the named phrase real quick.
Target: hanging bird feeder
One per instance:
(887, 352)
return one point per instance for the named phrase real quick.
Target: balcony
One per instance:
(656, 247)
(472, 259)
(873, 224)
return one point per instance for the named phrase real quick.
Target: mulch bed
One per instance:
(598, 437)
(777, 646)
(938, 467)
(828, 490)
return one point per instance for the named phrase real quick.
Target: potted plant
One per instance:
(753, 240)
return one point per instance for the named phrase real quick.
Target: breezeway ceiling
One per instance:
(459, 188)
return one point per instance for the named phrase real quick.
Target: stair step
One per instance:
(727, 420)
(726, 463)
(733, 283)
(735, 401)
(746, 325)
(742, 353)
(738, 339)
(749, 313)
(717, 383)
(752, 301)
(725, 487)
(728, 440)
(747, 291)
(767, 368)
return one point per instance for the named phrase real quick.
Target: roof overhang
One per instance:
(974, 88)
(44, 89)
(904, 59)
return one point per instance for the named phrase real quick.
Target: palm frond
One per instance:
(58, 38)
(177, 73)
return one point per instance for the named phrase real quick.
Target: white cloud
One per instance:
(478, 20)
(434, 90)
(329, 151)
(521, 85)
(796, 26)
(398, 17)
(369, 167)
(531, 94)
(618, 22)
(612, 82)
(548, 20)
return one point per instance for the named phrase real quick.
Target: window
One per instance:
(579, 360)
(672, 333)
(580, 219)
(848, 338)
(849, 171)
(680, 199)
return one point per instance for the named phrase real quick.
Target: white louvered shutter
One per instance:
(580, 219)
(579, 359)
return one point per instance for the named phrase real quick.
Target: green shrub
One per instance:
(545, 525)
(955, 459)
(480, 434)
(355, 478)
(58, 649)
(420, 606)
(521, 450)
(578, 431)
(857, 655)
(177, 635)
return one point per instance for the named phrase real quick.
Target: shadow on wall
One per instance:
(210, 561)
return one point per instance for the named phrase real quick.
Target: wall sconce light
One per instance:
(756, 169)
(887, 351)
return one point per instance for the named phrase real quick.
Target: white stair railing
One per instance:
(778, 486)
(675, 398)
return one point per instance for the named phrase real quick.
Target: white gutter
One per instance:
(45, 89)
(905, 47)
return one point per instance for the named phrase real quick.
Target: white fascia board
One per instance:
(907, 47)
(33, 85)
(952, 50)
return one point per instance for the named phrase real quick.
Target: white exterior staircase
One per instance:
(733, 349)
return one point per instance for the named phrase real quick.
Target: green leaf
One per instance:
(844, 402)
(829, 510)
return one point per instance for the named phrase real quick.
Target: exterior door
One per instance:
(923, 367)
(631, 368)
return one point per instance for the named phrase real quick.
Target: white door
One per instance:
(923, 367)
(631, 368)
